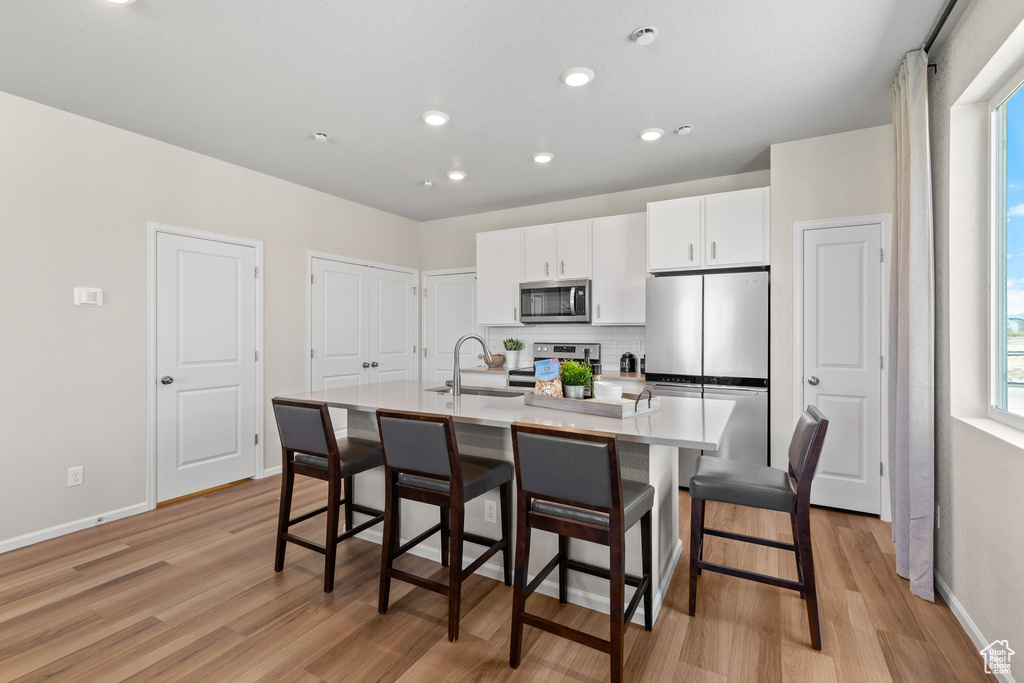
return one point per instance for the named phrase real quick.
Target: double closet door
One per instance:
(362, 326)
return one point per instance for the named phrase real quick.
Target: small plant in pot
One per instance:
(576, 377)
(512, 349)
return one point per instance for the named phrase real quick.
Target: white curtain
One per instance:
(912, 334)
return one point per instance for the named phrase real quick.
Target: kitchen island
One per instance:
(648, 451)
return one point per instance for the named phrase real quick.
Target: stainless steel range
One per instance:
(591, 353)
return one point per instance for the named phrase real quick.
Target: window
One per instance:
(1008, 251)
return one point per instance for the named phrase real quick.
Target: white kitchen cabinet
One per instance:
(620, 270)
(722, 230)
(674, 232)
(499, 268)
(572, 250)
(539, 253)
(556, 252)
(736, 228)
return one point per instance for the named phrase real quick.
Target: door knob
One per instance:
(166, 379)
(813, 381)
(366, 365)
(374, 364)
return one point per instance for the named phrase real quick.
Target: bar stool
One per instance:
(422, 463)
(569, 483)
(757, 486)
(310, 448)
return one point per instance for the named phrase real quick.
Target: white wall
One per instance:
(451, 242)
(75, 196)
(979, 463)
(834, 176)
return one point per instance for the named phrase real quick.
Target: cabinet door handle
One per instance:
(515, 313)
(713, 250)
(563, 267)
(546, 270)
(599, 311)
(691, 252)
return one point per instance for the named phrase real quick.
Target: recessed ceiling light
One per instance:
(456, 175)
(577, 76)
(543, 157)
(320, 136)
(684, 130)
(650, 134)
(644, 35)
(435, 118)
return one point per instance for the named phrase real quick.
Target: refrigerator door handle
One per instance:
(714, 389)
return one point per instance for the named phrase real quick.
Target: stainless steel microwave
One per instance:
(555, 301)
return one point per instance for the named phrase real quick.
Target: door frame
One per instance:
(884, 221)
(423, 318)
(152, 229)
(312, 254)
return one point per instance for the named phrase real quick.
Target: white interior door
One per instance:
(842, 373)
(340, 320)
(449, 311)
(392, 325)
(205, 363)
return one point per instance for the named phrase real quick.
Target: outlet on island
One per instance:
(76, 475)
(490, 511)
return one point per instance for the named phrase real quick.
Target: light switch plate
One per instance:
(88, 296)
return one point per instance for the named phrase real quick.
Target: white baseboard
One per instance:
(269, 472)
(598, 603)
(979, 640)
(69, 527)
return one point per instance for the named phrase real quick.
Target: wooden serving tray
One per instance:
(625, 407)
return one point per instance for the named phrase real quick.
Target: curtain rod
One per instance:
(938, 26)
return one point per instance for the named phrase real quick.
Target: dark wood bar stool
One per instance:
(739, 483)
(569, 483)
(422, 463)
(310, 448)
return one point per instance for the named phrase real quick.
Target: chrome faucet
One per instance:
(456, 375)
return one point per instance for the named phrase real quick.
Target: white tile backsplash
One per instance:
(614, 339)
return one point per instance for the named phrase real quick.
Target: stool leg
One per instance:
(563, 569)
(696, 535)
(796, 542)
(389, 543)
(445, 533)
(506, 531)
(803, 524)
(349, 487)
(700, 554)
(331, 545)
(455, 573)
(617, 598)
(287, 483)
(647, 552)
(519, 590)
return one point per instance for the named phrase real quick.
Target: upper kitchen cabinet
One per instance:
(674, 231)
(712, 231)
(736, 228)
(620, 270)
(556, 252)
(499, 268)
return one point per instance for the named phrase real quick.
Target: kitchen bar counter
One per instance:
(648, 452)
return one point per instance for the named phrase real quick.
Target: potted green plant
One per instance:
(576, 376)
(512, 349)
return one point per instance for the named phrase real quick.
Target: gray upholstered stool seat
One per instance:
(479, 475)
(637, 499)
(356, 455)
(740, 483)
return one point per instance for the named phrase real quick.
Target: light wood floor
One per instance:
(188, 592)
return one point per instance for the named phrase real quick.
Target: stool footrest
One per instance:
(566, 632)
(752, 576)
(601, 572)
(781, 545)
(308, 515)
(315, 547)
(363, 510)
(435, 586)
(362, 527)
(543, 574)
(638, 595)
(409, 545)
(495, 546)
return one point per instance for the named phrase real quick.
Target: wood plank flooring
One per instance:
(188, 593)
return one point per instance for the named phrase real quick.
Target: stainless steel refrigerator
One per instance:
(707, 335)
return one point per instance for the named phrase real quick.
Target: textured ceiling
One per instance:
(248, 81)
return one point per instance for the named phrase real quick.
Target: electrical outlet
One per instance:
(76, 475)
(490, 511)
(938, 518)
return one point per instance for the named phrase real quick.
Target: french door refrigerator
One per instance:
(707, 335)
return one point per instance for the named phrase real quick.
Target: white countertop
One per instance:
(681, 422)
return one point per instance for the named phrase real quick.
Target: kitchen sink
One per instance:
(479, 391)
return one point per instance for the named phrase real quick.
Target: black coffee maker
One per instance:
(627, 363)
